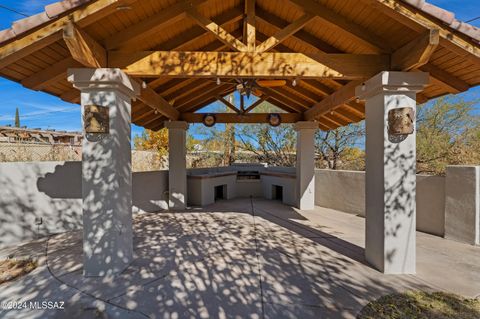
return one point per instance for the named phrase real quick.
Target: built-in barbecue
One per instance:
(242, 175)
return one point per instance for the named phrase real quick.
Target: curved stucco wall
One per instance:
(51, 193)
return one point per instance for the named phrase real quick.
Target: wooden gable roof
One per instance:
(357, 37)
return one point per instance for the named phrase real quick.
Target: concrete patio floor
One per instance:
(236, 259)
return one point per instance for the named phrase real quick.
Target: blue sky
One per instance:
(41, 110)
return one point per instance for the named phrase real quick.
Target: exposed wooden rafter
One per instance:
(219, 32)
(249, 36)
(284, 33)
(334, 100)
(416, 53)
(83, 47)
(281, 35)
(135, 34)
(90, 53)
(158, 103)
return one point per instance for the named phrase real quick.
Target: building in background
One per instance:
(23, 135)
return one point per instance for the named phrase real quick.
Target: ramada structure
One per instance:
(325, 63)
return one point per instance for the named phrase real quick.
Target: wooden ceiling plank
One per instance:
(245, 64)
(291, 103)
(126, 39)
(83, 47)
(313, 42)
(207, 99)
(211, 91)
(292, 97)
(284, 33)
(141, 113)
(417, 52)
(366, 37)
(453, 84)
(52, 74)
(249, 36)
(219, 32)
(351, 116)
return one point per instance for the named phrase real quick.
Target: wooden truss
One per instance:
(180, 76)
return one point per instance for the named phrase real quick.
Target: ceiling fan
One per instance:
(254, 86)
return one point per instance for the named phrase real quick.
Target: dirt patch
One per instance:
(418, 304)
(14, 268)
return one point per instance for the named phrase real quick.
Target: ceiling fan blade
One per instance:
(257, 92)
(271, 83)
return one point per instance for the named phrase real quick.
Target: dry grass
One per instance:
(418, 304)
(13, 268)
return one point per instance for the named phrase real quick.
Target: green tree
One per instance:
(337, 148)
(272, 145)
(17, 118)
(448, 133)
(151, 140)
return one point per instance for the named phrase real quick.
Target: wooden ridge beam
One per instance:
(246, 64)
(219, 32)
(131, 36)
(240, 118)
(83, 47)
(334, 100)
(284, 33)
(415, 53)
(249, 36)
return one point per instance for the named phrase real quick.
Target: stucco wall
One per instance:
(345, 191)
(52, 191)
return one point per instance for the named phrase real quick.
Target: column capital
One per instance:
(86, 79)
(305, 125)
(181, 125)
(393, 83)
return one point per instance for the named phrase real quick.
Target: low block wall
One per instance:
(41, 198)
(345, 191)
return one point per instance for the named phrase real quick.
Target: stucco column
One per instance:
(305, 164)
(177, 164)
(106, 171)
(390, 172)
